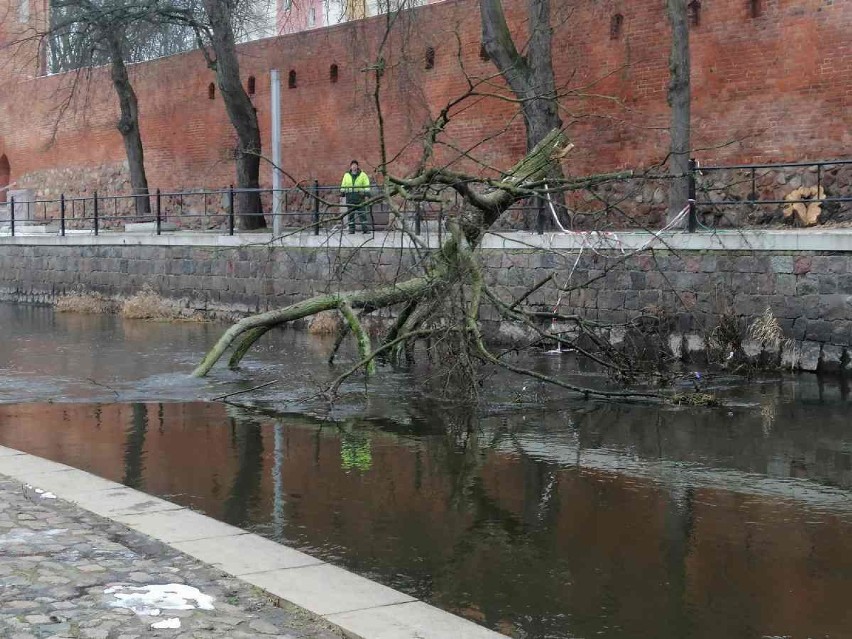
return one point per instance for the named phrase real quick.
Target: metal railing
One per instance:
(314, 209)
(318, 208)
(761, 182)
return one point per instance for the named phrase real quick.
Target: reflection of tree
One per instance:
(245, 490)
(278, 483)
(134, 447)
(679, 527)
(498, 542)
(356, 449)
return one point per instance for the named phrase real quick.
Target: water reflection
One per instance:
(601, 521)
(134, 449)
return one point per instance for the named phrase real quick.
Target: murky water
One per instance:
(541, 519)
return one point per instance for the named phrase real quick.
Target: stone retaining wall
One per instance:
(809, 292)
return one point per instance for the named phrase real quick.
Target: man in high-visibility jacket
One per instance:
(355, 187)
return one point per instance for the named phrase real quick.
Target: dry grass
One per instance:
(147, 304)
(767, 331)
(86, 304)
(726, 336)
(325, 323)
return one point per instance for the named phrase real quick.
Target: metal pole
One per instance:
(159, 213)
(693, 217)
(95, 205)
(231, 210)
(62, 215)
(316, 208)
(275, 79)
(12, 216)
(819, 181)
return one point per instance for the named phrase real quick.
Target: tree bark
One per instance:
(680, 102)
(530, 77)
(241, 113)
(128, 125)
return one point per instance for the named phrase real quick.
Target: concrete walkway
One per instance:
(84, 557)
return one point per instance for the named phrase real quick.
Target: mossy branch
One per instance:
(361, 336)
(380, 297)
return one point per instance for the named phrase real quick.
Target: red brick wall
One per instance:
(774, 87)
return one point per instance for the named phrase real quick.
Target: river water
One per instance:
(538, 516)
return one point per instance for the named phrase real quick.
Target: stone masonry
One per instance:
(809, 292)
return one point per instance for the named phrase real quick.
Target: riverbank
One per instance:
(112, 561)
(683, 286)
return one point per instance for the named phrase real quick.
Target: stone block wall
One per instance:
(810, 293)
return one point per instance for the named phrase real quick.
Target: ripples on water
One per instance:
(543, 519)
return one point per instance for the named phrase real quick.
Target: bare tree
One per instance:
(82, 34)
(441, 306)
(527, 70)
(219, 25)
(145, 36)
(128, 123)
(86, 33)
(680, 103)
(529, 74)
(224, 61)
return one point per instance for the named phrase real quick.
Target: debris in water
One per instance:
(167, 624)
(150, 600)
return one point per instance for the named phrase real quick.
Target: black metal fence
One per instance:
(735, 195)
(315, 209)
(758, 194)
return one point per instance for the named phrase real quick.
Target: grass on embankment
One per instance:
(146, 304)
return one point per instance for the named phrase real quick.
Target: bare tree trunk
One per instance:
(128, 125)
(530, 77)
(241, 112)
(680, 103)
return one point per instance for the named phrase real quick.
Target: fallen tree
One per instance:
(445, 301)
(445, 268)
(442, 304)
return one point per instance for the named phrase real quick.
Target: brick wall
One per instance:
(771, 87)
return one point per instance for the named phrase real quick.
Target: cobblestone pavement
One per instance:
(57, 561)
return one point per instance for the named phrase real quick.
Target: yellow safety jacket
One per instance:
(355, 189)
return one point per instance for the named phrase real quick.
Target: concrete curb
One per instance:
(361, 608)
(746, 240)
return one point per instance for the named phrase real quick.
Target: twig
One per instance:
(242, 392)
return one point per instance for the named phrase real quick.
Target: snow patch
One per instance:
(21, 536)
(167, 624)
(42, 493)
(149, 601)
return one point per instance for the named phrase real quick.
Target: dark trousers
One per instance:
(357, 211)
